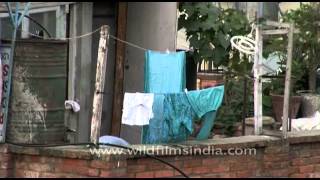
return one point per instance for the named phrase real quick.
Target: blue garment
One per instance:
(179, 115)
(164, 72)
(206, 100)
(175, 114)
(205, 103)
(157, 130)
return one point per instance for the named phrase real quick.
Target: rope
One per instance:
(126, 42)
(84, 35)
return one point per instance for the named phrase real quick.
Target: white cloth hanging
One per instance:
(137, 108)
(69, 104)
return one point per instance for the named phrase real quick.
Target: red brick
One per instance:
(6, 165)
(6, 173)
(314, 175)
(317, 168)
(298, 161)
(40, 167)
(192, 163)
(275, 165)
(5, 157)
(145, 175)
(305, 153)
(21, 165)
(219, 168)
(210, 161)
(201, 170)
(298, 175)
(187, 171)
(275, 157)
(306, 169)
(107, 165)
(141, 161)
(279, 173)
(50, 160)
(93, 172)
(136, 168)
(27, 173)
(164, 173)
(75, 162)
(238, 166)
(48, 175)
(244, 174)
(121, 172)
(293, 170)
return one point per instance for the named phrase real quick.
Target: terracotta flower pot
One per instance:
(277, 106)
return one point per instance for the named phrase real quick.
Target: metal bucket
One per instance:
(39, 79)
(310, 104)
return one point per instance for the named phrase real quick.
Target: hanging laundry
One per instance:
(137, 108)
(206, 100)
(157, 130)
(205, 103)
(174, 115)
(69, 104)
(164, 72)
(179, 116)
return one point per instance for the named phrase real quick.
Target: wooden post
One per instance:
(287, 85)
(99, 85)
(258, 83)
(119, 70)
(244, 110)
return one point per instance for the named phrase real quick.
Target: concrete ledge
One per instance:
(111, 153)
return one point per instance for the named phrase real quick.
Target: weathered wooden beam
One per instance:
(258, 83)
(99, 84)
(287, 84)
(277, 24)
(275, 32)
(119, 70)
(72, 119)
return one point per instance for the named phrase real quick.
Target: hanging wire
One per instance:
(126, 42)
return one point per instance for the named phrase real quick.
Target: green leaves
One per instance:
(214, 25)
(224, 41)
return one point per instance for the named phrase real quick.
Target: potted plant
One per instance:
(275, 88)
(306, 60)
(307, 49)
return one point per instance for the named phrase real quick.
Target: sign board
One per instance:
(5, 59)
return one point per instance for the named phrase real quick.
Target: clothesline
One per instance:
(85, 35)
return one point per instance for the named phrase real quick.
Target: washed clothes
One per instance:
(164, 72)
(179, 110)
(137, 108)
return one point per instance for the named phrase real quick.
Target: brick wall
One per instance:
(274, 158)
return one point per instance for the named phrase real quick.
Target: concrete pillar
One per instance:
(152, 25)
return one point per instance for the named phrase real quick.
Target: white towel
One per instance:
(137, 108)
(306, 124)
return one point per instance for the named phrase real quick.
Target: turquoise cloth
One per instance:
(174, 110)
(206, 100)
(157, 130)
(164, 72)
(179, 115)
(205, 103)
(175, 115)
